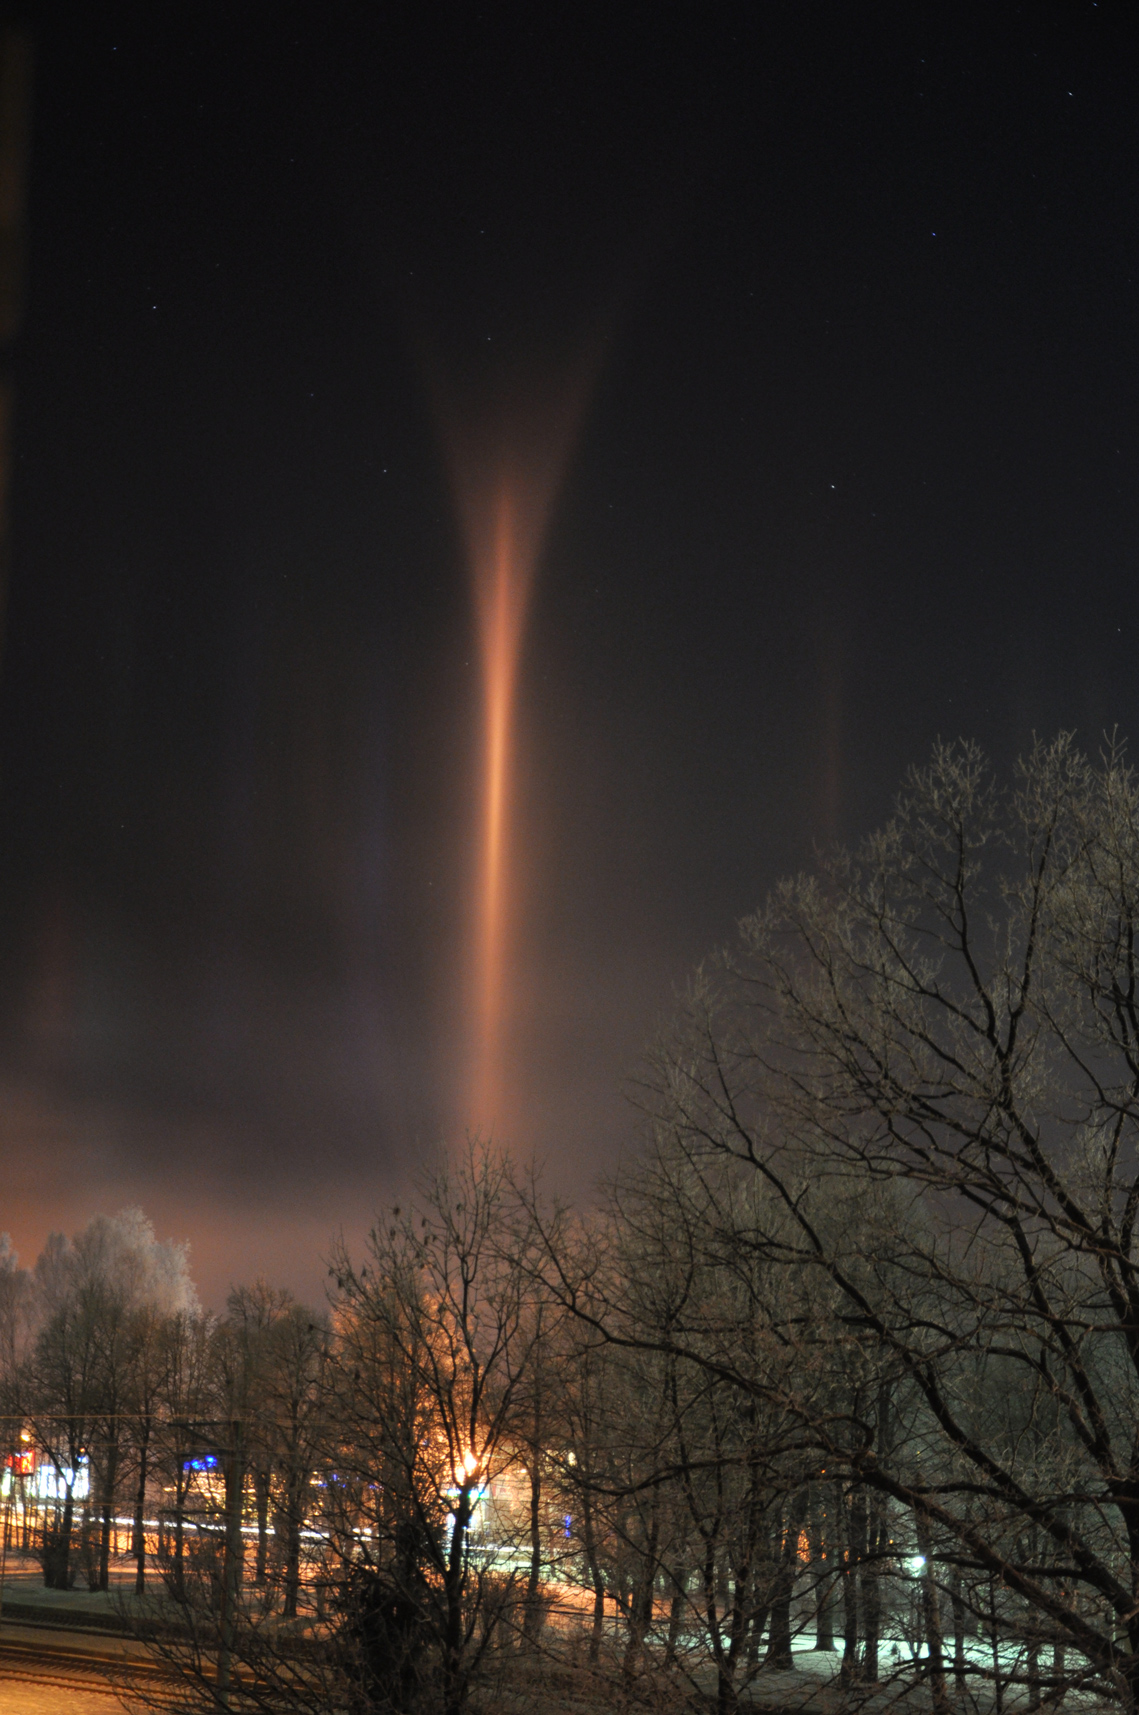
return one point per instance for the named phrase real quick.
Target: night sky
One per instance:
(852, 292)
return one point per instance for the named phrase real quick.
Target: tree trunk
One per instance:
(738, 1625)
(675, 1615)
(871, 1575)
(727, 1694)
(532, 1611)
(931, 1615)
(1060, 1654)
(111, 1475)
(454, 1671)
(779, 1637)
(710, 1590)
(589, 1543)
(178, 1583)
(821, 1541)
(1033, 1674)
(641, 1606)
(57, 1546)
(64, 1559)
(140, 1511)
(824, 1613)
(88, 1559)
(261, 1486)
(760, 1596)
(855, 1552)
(995, 1646)
(958, 1606)
(870, 1580)
(294, 1502)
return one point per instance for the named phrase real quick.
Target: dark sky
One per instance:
(858, 288)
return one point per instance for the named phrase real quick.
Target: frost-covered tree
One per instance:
(97, 1301)
(945, 1026)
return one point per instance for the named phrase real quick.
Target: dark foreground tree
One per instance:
(929, 1057)
(433, 1363)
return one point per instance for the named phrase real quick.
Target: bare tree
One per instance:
(298, 1401)
(398, 1439)
(93, 1298)
(435, 1337)
(186, 1396)
(949, 1024)
(693, 1471)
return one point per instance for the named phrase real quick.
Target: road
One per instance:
(44, 1671)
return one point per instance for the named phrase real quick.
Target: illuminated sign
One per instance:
(51, 1483)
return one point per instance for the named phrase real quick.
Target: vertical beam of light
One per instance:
(506, 466)
(502, 586)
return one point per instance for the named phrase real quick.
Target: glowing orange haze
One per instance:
(504, 547)
(503, 590)
(505, 505)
